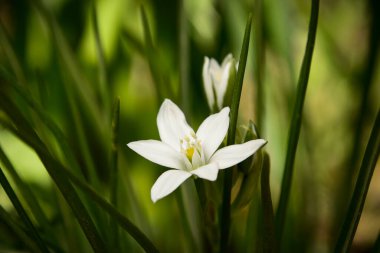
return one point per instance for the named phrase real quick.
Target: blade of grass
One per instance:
(60, 175)
(46, 120)
(80, 84)
(295, 126)
(183, 55)
(11, 55)
(115, 234)
(21, 212)
(124, 222)
(103, 77)
(259, 63)
(27, 134)
(150, 54)
(269, 241)
(355, 208)
(26, 192)
(24, 237)
(226, 204)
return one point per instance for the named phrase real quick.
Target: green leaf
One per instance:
(27, 134)
(269, 238)
(355, 208)
(23, 235)
(227, 184)
(21, 212)
(26, 192)
(295, 127)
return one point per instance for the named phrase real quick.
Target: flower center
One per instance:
(189, 145)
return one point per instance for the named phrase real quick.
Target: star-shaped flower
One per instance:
(188, 153)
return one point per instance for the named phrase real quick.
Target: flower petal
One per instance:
(209, 171)
(167, 183)
(226, 60)
(212, 131)
(207, 83)
(172, 125)
(221, 87)
(234, 154)
(158, 152)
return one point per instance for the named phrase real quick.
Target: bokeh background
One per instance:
(51, 51)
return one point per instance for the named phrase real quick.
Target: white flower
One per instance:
(188, 153)
(215, 80)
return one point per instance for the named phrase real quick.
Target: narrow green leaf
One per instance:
(80, 84)
(151, 54)
(46, 120)
(52, 166)
(226, 204)
(24, 237)
(26, 192)
(259, 62)
(355, 208)
(183, 57)
(115, 235)
(21, 212)
(295, 126)
(124, 222)
(11, 55)
(103, 77)
(269, 244)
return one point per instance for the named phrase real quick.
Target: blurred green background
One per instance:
(51, 51)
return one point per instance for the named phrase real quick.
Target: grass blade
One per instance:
(103, 77)
(269, 244)
(7, 219)
(21, 212)
(355, 208)
(226, 204)
(27, 134)
(25, 190)
(295, 127)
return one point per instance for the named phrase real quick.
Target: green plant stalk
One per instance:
(26, 133)
(183, 55)
(103, 77)
(114, 172)
(259, 63)
(269, 237)
(60, 176)
(149, 51)
(11, 55)
(227, 184)
(21, 212)
(26, 192)
(295, 127)
(376, 246)
(82, 85)
(23, 235)
(355, 208)
(124, 222)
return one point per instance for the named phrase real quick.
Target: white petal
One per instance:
(209, 171)
(167, 183)
(234, 154)
(207, 83)
(212, 131)
(172, 125)
(158, 152)
(221, 87)
(226, 60)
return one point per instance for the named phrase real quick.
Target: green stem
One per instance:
(21, 212)
(355, 208)
(295, 127)
(226, 204)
